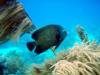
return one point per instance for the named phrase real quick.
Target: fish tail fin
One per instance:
(31, 45)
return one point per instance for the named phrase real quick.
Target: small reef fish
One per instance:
(83, 36)
(14, 21)
(47, 37)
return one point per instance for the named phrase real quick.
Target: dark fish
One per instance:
(14, 22)
(46, 37)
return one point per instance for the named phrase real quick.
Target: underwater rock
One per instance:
(14, 22)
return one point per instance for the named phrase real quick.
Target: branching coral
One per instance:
(82, 53)
(64, 67)
(61, 68)
(80, 60)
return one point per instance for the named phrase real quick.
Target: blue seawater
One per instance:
(67, 13)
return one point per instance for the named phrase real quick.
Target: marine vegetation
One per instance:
(11, 63)
(14, 62)
(14, 21)
(80, 60)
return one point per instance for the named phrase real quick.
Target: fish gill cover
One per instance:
(79, 18)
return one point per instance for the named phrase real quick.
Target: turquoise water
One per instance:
(67, 13)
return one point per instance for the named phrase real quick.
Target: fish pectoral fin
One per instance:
(53, 48)
(56, 46)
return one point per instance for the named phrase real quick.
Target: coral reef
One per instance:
(11, 63)
(2, 65)
(80, 60)
(64, 67)
(14, 21)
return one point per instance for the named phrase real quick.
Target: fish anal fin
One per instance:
(60, 41)
(39, 50)
(53, 48)
(31, 45)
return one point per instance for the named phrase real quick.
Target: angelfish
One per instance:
(49, 36)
